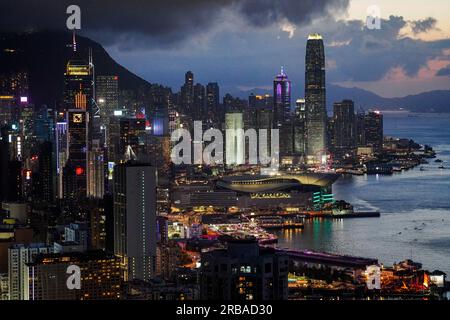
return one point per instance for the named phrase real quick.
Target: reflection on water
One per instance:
(415, 206)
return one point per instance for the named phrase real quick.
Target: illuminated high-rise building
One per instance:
(78, 85)
(374, 130)
(344, 128)
(95, 171)
(75, 171)
(18, 256)
(60, 150)
(199, 102)
(135, 219)
(107, 96)
(187, 94)
(281, 98)
(315, 96)
(244, 271)
(234, 144)
(299, 148)
(47, 276)
(45, 174)
(126, 132)
(212, 113)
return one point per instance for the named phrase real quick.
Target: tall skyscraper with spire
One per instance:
(282, 98)
(78, 82)
(315, 95)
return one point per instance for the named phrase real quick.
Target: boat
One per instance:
(278, 222)
(423, 169)
(438, 161)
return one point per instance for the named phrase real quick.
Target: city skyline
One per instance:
(117, 188)
(409, 54)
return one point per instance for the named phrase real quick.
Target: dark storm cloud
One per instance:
(369, 55)
(156, 21)
(444, 72)
(425, 25)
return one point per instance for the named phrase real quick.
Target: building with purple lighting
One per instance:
(282, 98)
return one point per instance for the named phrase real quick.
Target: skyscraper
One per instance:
(78, 89)
(135, 219)
(187, 94)
(18, 256)
(315, 96)
(282, 98)
(234, 144)
(107, 96)
(75, 173)
(374, 130)
(344, 127)
(300, 128)
(244, 271)
(198, 102)
(212, 113)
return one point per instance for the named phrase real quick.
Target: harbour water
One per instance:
(414, 205)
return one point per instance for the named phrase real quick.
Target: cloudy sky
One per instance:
(243, 43)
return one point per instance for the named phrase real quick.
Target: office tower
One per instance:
(213, 112)
(124, 133)
(107, 96)
(45, 125)
(187, 94)
(78, 85)
(374, 130)
(234, 142)
(315, 96)
(244, 271)
(96, 171)
(344, 128)
(45, 173)
(135, 219)
(14, 188)
(360, 128)
(26, 140)
(282, 98)
(18, 256)
(299, 148)
(60, 150)
(160, 121)
(75, 170)
(199, 102)
(97, 219)
(47, 277)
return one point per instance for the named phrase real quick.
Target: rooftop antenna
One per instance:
(74, 41)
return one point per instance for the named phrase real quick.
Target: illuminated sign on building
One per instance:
(273, 195)
(77, 118)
